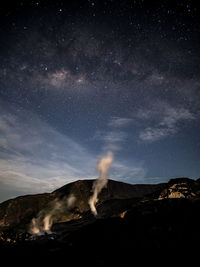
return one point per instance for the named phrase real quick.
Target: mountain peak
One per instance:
(137, 216)
(112, 199)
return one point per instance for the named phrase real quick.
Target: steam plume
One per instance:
(47, 223)
(103, 167)
(34, 229)
(42, 224)
(70, 201)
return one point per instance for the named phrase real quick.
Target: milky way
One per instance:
(81, 78)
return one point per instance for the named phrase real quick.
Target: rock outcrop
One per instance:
(181, 188)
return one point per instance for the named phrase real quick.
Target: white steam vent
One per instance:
(103, 167)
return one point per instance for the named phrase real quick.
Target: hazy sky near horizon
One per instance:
(80, 78)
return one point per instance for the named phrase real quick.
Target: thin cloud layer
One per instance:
(119, 122)
(36, 158)
(164, 123)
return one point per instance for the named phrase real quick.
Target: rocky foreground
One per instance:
(132, 220)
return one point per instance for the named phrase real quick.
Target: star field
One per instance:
(98, 76)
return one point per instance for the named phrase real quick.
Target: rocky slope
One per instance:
(18, 212)
(132, 220)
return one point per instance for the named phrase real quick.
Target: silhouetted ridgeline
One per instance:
(132, 220)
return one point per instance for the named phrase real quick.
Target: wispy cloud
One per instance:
(114, 137)
(115, 134)
(153, 134)
(34, 157)
(119, 122)
(165, 121)
(28, 184)
(135, 173)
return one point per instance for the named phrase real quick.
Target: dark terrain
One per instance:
(133, 222)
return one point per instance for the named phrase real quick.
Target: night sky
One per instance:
(81, 78)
